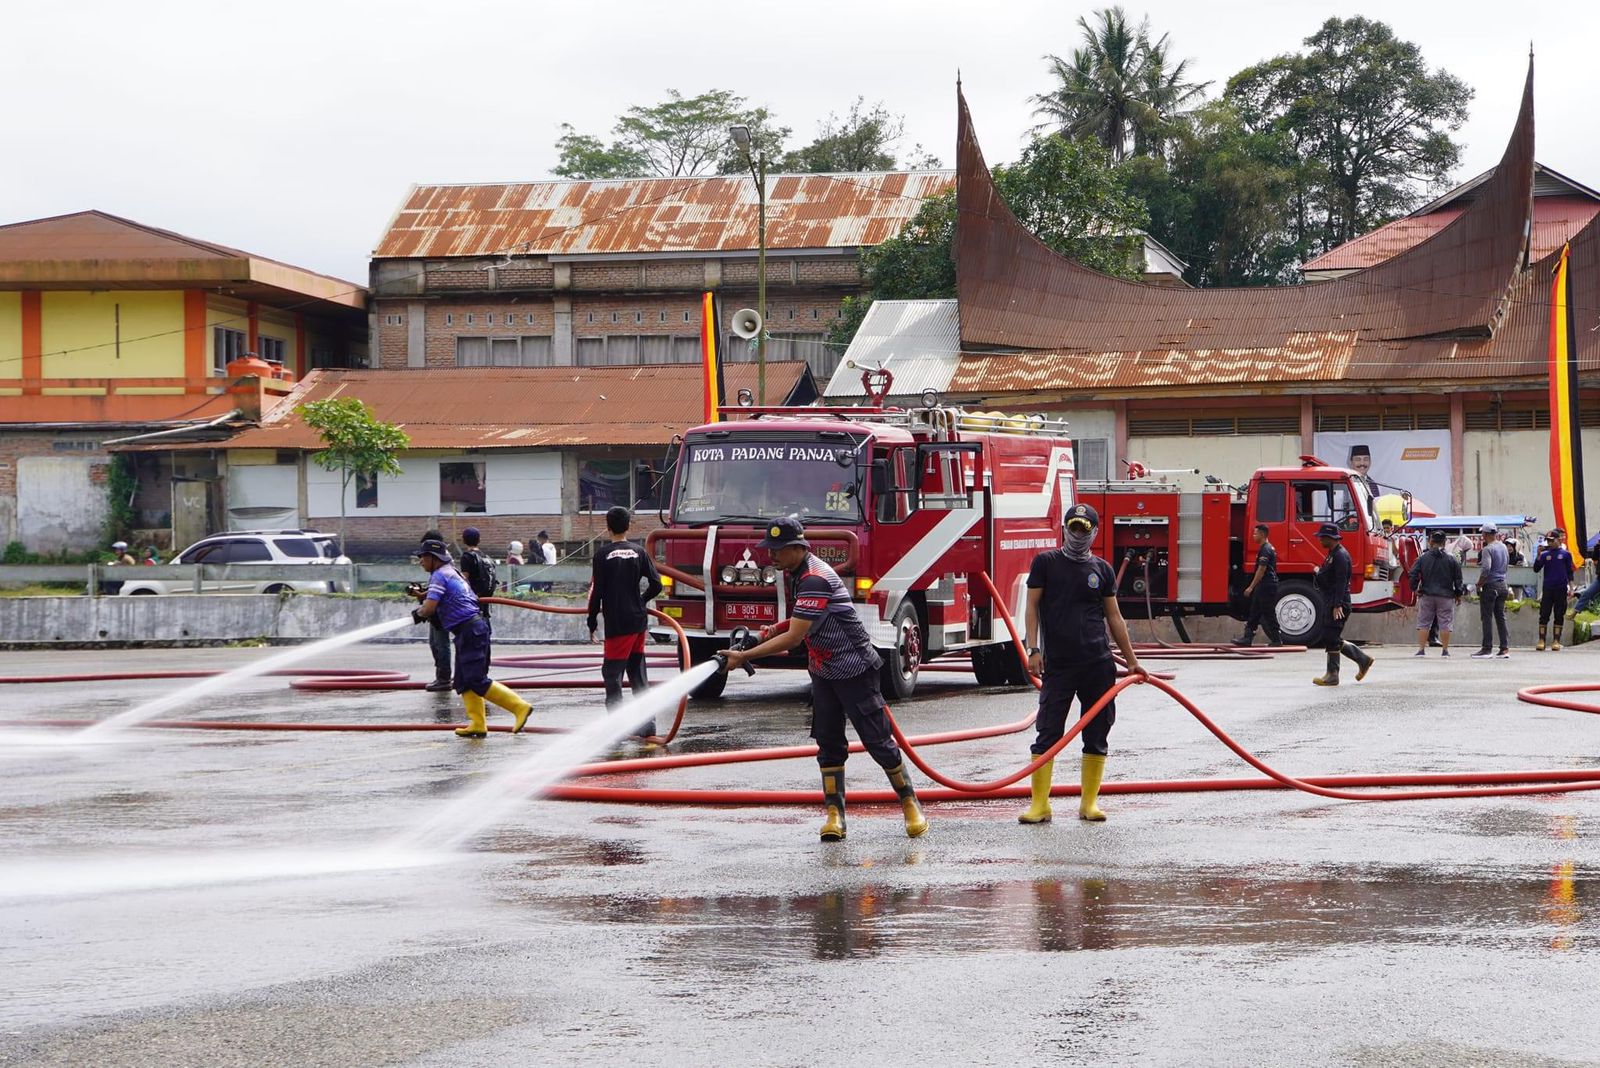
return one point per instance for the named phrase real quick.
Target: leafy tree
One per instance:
(358, 443)
(863, 140)
(1367, 121)
(679, 136)
(1066, 192)
(1120, 89)
(586, 156)
(1222, 200)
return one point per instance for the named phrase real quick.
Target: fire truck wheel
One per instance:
(901, 663)
(1302, 612)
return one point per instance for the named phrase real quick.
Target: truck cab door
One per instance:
(944, 531)
(1311, 503)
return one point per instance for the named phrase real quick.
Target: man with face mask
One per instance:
(1555, 563)
(1072, 594)
(1332, 580)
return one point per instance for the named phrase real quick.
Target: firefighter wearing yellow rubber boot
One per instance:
(450, 598)
(1072, 595)
(844, 675)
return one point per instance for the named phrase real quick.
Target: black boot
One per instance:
(1331, 678)
(1363, 661)
(1247, 638)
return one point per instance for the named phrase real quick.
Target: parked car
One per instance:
(306, 547)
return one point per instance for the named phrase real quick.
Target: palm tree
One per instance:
(1118, 89)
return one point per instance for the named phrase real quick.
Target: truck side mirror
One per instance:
(880, 477)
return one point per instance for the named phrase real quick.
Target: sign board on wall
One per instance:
(1415, 460)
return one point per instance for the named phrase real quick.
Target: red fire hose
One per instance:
(1338, 787)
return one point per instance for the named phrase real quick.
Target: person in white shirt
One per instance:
(547, 547)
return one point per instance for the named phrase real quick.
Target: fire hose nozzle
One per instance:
(741, 639)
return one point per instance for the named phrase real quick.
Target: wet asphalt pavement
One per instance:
(191, 898)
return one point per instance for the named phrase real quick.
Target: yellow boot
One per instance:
(833, 798)
(916, 822)
(476, 727)
(507, 698)
(1094, 768)
(1039, 811)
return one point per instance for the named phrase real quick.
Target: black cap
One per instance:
(784, 532)
(1081, 511)
(1436, 535)
(1359, 450)
(1330, 530)
(435, 548)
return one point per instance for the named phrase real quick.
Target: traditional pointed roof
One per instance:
(1015, 293)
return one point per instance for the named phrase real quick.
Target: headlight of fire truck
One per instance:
(769, 575)
(728, 575)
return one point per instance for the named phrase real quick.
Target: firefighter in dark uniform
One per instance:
(1262, 592)
(1073, 595)
(844, 675)
(1332, 580)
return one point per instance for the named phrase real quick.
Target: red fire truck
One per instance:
(1179, 554)
(909, 506)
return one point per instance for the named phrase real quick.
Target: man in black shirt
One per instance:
(1073, 594)
(1332, 579)
(1436, 578)
(625, 582)
(1262, 592)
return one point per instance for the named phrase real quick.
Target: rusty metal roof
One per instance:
(519, 407)
(1516, 352)
(649, 215)
(1555, 220)
(1015, 293)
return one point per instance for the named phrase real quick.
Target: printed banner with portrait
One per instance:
(1414, 460)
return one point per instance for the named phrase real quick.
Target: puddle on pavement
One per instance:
(1048, 915)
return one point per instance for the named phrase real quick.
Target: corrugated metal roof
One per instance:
(518, 407)
(645, 215)
(1555, 220)
(918, 341)
(1517, 351)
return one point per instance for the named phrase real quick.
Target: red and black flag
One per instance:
(1566, 430)
(711, 356)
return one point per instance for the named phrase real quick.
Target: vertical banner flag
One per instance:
(1566, 441)
(711, 356)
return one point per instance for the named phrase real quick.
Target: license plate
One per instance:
(758, 611)
(673, 610)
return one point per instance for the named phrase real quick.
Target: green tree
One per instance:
(1120, 89)
(1368, 122)
(677, 137)
(1066, 192)
(1222, 200)
(864, 140)
(586, 156)
(357, 443)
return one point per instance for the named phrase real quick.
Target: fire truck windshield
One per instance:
(749, 481)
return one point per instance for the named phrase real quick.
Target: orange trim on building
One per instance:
(302, 359)
(32, 340)
(252, 320)
(194, 334)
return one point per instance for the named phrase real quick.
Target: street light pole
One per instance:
(757, 162)
(761, 277)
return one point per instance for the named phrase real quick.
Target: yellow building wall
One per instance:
(281, 327)
(10, 336)
(79, 334)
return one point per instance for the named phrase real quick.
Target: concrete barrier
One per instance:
(1388, 628)
(189, 619)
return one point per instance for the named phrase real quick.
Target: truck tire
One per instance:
(997, 665)
(902, 662)
(711, 689)
(1302, 613)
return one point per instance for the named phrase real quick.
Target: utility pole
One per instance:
(758, 171)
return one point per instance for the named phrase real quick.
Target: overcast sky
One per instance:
(292, 129)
